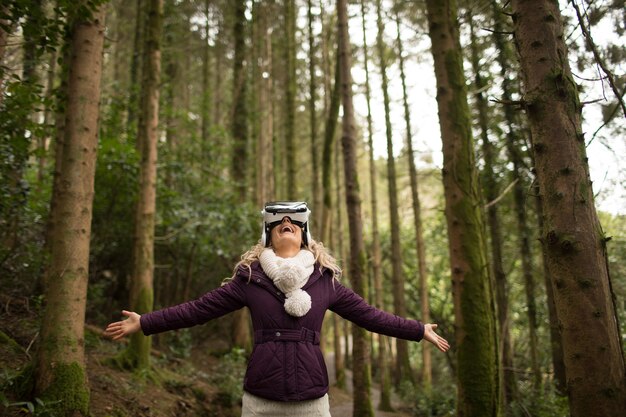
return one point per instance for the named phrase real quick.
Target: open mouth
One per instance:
(287, 228)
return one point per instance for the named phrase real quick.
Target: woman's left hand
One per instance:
(430, 335)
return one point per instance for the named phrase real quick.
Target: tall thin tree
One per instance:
(403, 364)
(475, 333)
(290, 96)
(137, 354)
(383, 363)
(420, 247)
(492, 191)
(361, 378)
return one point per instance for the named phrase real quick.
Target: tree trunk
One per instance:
(403, 365)
(48, 115)
(290, 97)
(573, 240)
(315, 186)
(264, 156)
(475, 334)
(383, 364)
(240, 109)
(417, 219)
(491, 191)
(556, 346)
(135, 68)
(206, 89)
(142, 291)
(346, 360)
(361, 377)
(61, 380)
(329, 139)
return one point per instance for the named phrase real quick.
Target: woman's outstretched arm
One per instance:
(119, 329)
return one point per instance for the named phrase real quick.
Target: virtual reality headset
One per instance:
(274, 212)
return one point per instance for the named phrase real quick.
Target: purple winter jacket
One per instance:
(286, 363)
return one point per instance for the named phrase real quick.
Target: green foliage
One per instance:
(179, 343)
(546, 404)
(430, 403)
(228, 376)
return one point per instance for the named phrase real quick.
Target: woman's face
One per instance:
(286, 234)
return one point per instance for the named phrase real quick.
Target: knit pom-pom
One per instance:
(298, 303)
(289, 277)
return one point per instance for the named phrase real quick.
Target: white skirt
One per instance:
(254, 406)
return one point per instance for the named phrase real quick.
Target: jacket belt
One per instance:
(287, 335)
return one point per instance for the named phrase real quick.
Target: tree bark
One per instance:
(475, 334)
(135, 68)
(329, 139)
(240, 106)
(383, 363)
(142, 289)
(61, 379)
(556, 346)
(361, 377)
(491, 191)
(206, 89)
(417, 219)
(403, 365)
(315, 186)
(290, 97)
(573, 240)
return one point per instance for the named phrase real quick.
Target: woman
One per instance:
(287, 281)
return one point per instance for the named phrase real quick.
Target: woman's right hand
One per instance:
(119, 329)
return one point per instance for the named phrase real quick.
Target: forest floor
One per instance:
(180, 387)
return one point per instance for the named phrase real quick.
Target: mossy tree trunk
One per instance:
(361, 376)
(426, 374)
(492, 191)
(475, 333)
(573, 240)
(241, 335)
(383, 362)
(137, 355)
(61, 380)
(403, 365)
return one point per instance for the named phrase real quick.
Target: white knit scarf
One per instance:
(290, 275)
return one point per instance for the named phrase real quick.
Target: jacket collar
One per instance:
(256, 276)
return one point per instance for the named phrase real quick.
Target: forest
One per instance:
(462, 160)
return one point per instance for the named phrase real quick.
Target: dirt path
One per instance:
(341, 401)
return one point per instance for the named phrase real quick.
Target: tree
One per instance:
(572, 237)
(240, 109)
(137, 354)
(417, 215)
(383, 363)
(60, 362)
(315, 187)
(403, 365)
(361, 377)
(290, 96)
(477, 369)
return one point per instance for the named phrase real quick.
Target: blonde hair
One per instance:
(321, 254)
